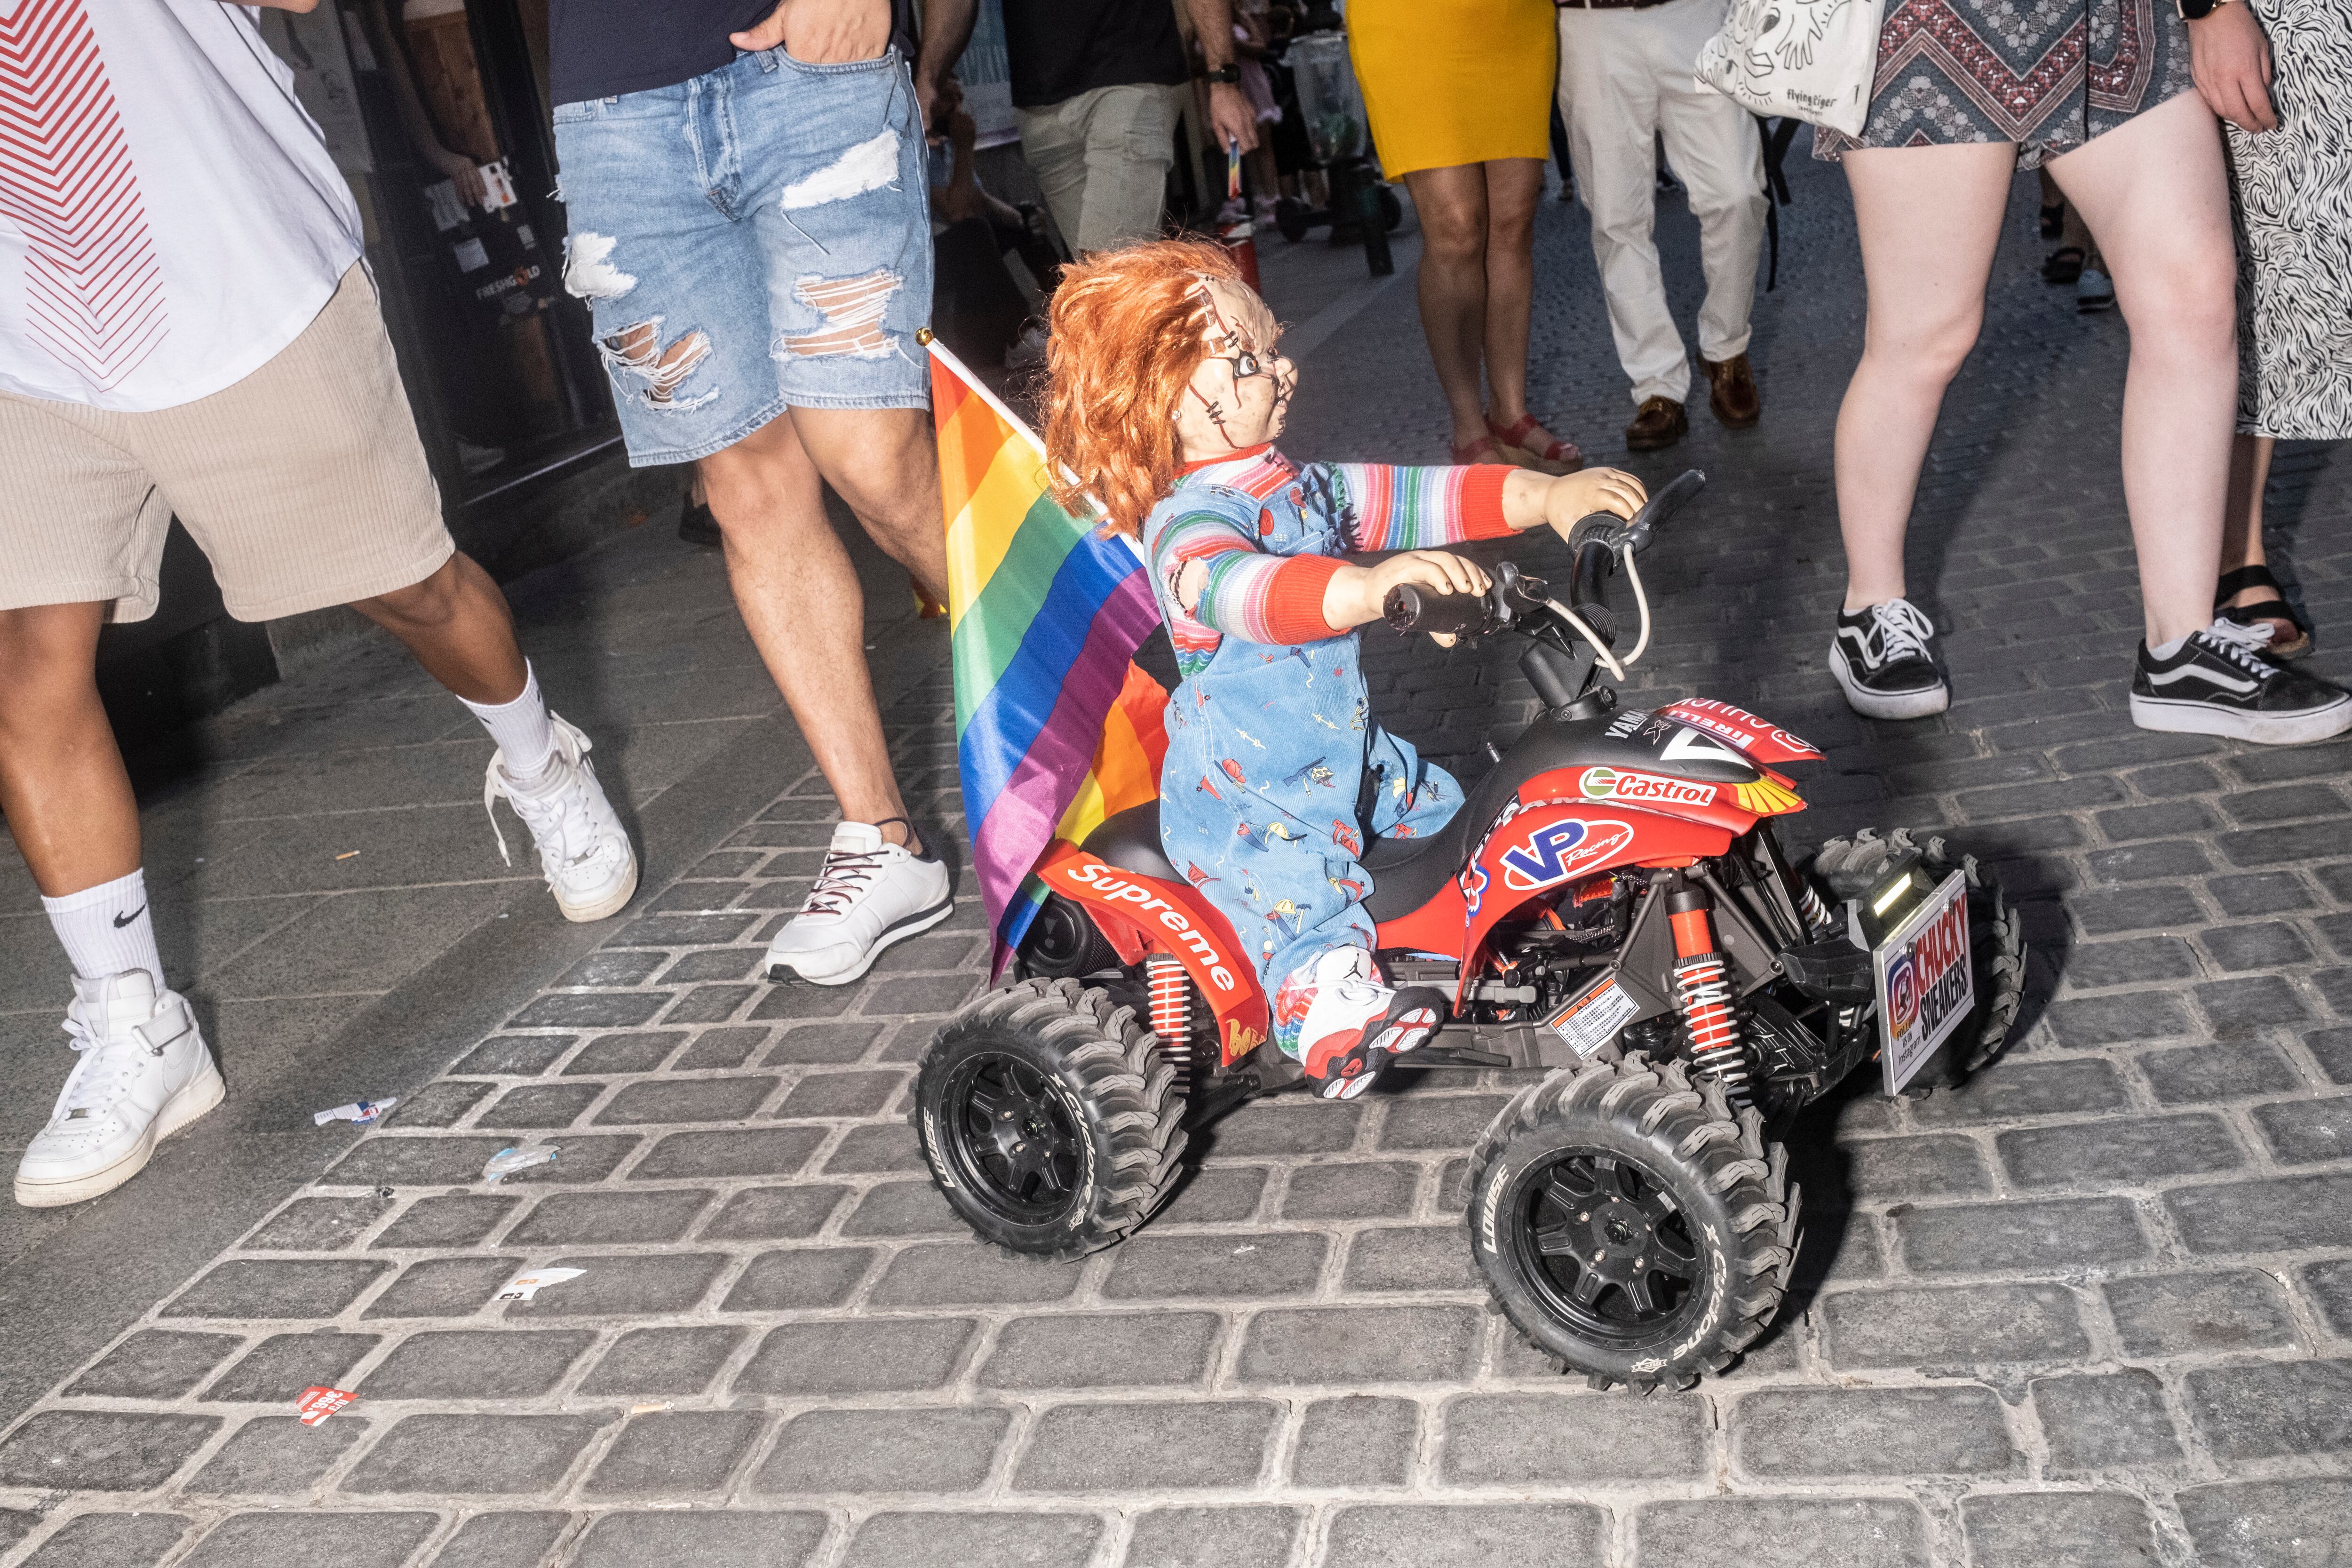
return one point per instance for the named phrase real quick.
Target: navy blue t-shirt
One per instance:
(602, 49)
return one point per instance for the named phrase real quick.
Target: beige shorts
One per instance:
(304, 483)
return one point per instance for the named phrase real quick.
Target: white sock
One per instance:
(107, 929)
(525, 737)
(2165, 649)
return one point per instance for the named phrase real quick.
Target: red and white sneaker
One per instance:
(1355, 1023)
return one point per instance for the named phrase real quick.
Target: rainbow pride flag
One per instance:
(1056, 727)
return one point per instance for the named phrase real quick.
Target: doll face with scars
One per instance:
(1240, 393)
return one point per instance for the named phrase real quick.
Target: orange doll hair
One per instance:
(1126, 337)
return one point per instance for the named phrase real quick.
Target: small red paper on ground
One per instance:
(317, 1403)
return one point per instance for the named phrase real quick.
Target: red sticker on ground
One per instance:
(317, 1403)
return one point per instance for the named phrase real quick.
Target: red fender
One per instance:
(1141, 915)
(1761, 738)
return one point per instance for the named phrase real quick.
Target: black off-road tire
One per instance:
(1851, 867)
(1733, 1216)
(1096, 1105)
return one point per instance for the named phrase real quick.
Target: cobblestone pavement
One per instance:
(2094, 1308)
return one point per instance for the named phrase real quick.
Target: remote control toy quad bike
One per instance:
(1609, 908)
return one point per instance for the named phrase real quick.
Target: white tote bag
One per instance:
(1810, 59)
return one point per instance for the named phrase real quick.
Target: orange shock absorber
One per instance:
(1703, 994)
(1172, 1014)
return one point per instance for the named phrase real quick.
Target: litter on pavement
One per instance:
(524, 1287)
(507, 1161)
(317, 1403)
(366, 1112)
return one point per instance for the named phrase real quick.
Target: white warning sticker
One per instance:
(1592, 1017)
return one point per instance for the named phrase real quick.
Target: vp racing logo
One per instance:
(1554, 852)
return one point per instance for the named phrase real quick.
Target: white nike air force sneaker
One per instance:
(869, 894)
(143, 1074)
(583, 849)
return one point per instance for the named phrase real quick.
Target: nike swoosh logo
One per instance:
(121, 920)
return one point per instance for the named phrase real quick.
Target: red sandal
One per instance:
(1554, 457)
(1482, 450)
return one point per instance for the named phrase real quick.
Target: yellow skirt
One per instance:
(1455, 82)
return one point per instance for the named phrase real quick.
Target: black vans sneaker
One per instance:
(2217, 682)
(1884, 659)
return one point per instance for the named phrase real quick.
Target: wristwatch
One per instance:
(1232, 75)
(2198, 10)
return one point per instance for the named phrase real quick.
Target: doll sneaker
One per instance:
(1355, 1023)
(584, 850)
(145, 1073)
(869, 894)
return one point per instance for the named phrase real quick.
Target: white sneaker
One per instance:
(869, 894)
(583, 848)
(145, 1073)
(1355, 1023)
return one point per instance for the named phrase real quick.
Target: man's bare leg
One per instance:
(458, 625)
(62, 784)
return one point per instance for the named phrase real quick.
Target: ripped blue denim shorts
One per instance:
(754, 239)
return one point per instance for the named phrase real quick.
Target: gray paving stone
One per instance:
(457, 1221)
(111, 1541)
(688, 1100)
(1105, 1447)
(775, 1214)
(672, 1453)
(717, 963)
(817, 1043)
(2082, 1529)
(582, 1160)
(2056, 1235)
(1783, 1532)
(715, 1049)
(104, 1451)
(761, 1152)
(1939, 1165)
(2134, 1150)
(979, 1539)
(2259, 893)
(637, 1051)
(1357, 1189)
(2302, 1131)
(1419, 1258)
(1522, 1439)
(2201, 1074)
(2329, 1286)
(2024, 1088)
(2136, 909)
(2271, 945)
(1221, 1195)
(1439, 1122)
(852, 1094)
(968, 1272)
(477, 1363)
(276, 1540)
(1961, 1325)
(538, 1106)
(2086, 1021)
(444, 1287)
(1780, 1434)
(678, 1362)
(709, 1005)
(156, 1364)
(276, 1456)
(281, 1366)
(2264, 1216)
(1104, 1350)
(626, 1287)
(1494, 1535)
(1272, 1127)
(276, 1288)
(2188, 1314)
(929, 1451)
(2297, 1523)
(517, 1056)
(416, 1160)
(1361, 1344)
(2104, 1420)
(874, 1150)
(2333, 1050)
(792, 1279)
(1355, 1442)
(610, 1011)
(802, 1359)
(2259, 1409)
(605, 1219)
(1228, 1537)
(736, 1539)
(471, 1455)
(503, 1541)
(614, 969)
(1261, 1265)
(317, 1225)
(2131, 961)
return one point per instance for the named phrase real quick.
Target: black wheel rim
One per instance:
(1014, 1134)
(1605, 1244)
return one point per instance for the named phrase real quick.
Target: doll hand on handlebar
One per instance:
(1355, 594)
(1573, 497)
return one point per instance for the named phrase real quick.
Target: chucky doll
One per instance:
(1166, 393)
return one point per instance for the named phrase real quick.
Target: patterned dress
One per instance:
(2048, 74)
(1271, 745)
(2294, 190)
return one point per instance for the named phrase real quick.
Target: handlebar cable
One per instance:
(1633, 577)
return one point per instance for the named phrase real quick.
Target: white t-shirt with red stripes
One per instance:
(169, 217)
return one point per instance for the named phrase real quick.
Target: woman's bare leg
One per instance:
(1514, 187)
(2241, 518)
(1451, 203)
(1929, 219)
(2155, 195)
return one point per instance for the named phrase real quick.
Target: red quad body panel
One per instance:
(1140, 915)
(1761, 738)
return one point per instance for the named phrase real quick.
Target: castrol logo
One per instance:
(1621, 783)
